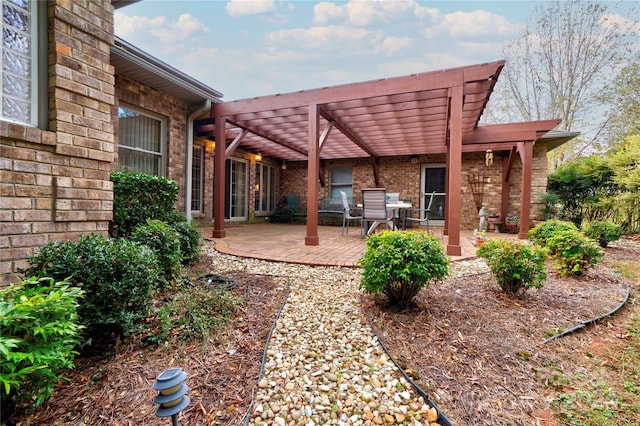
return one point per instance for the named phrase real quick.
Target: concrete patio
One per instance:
(285, 243)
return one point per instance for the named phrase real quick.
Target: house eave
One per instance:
(134, 63)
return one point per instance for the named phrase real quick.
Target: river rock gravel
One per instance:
(324, 364)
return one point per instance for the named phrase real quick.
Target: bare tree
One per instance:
(566, 55)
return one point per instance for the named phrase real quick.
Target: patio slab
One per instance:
(285, 243)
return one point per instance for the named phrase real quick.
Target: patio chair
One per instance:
(346, 213)
(374, 209)
(422, 215)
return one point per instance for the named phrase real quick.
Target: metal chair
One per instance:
(346, 212)
(374, 208)
(422, 214)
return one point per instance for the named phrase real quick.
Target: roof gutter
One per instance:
(189, 156)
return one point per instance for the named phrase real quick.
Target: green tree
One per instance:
(623, 97)
(625, 164)
(559, 66)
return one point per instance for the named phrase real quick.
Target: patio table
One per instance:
(396, 207)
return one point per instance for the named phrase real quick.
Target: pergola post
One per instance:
(526, 156)
(219, 164)
(454, 171)
(313, 169)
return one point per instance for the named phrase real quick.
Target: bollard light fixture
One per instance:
(172, 394)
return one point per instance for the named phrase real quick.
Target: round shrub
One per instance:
(189, 237)
(603, 232)
(163, 240)
(118, 277)
(516, 266)
(541, 233)
(574, 252)
(138, 197)
(399, 264)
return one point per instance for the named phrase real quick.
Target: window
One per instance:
(265, 191)
(341, 180)
(197, 177)
(141, 141)
(19, 54)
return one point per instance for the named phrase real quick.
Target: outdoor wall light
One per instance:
(284, 165)
(414, 159)
(210, 146)
(488, 158)
(258, 157)
(172, 397)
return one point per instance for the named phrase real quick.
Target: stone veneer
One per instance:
(54, 182)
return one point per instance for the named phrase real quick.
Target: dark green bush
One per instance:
(515, 265)
(399, 264)
(138, 197)
(542, 232)
(40, 329)
(603, 232)
(189, 236)
(574, 251)
(117, 276)
(163, 240)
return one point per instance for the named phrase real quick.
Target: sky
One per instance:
(249, 48)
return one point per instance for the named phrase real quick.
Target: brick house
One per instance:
(78, 103)
(81, 103)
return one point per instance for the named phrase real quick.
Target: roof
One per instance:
(555, 138)
(406, 115)
(134, 63)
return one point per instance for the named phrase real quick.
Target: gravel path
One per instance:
(324, 365)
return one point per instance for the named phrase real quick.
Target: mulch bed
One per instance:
(476, 352)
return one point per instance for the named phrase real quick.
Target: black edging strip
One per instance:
(442, 419)
(591, 321)
(266, 346)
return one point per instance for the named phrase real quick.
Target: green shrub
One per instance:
(189, 236)
(117, 276)
(163, 240)
(514, 264)
(574, 251)
(603, 232)
(399, 264)
(542, 232)
(138, 197)
(40, 329)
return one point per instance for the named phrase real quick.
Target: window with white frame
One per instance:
(197, 178)
(19, 58)
(341, 180)
(141, 141)
(236, 194)
(265, 190)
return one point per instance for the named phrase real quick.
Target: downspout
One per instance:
(189, 155)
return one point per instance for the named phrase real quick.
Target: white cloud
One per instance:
(169, 33)
(393, 45)
(620, 23)
(249, 7)
(126, 26)
(422, 12)
(362, 13)
(471, 24)
(325, 38)
(482, 49)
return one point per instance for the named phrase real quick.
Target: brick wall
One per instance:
(54, 182)
(399, 174)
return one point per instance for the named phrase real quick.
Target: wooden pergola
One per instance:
(427, 113)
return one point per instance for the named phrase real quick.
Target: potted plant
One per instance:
(479, 237)
(494, 218)
(511, 224)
